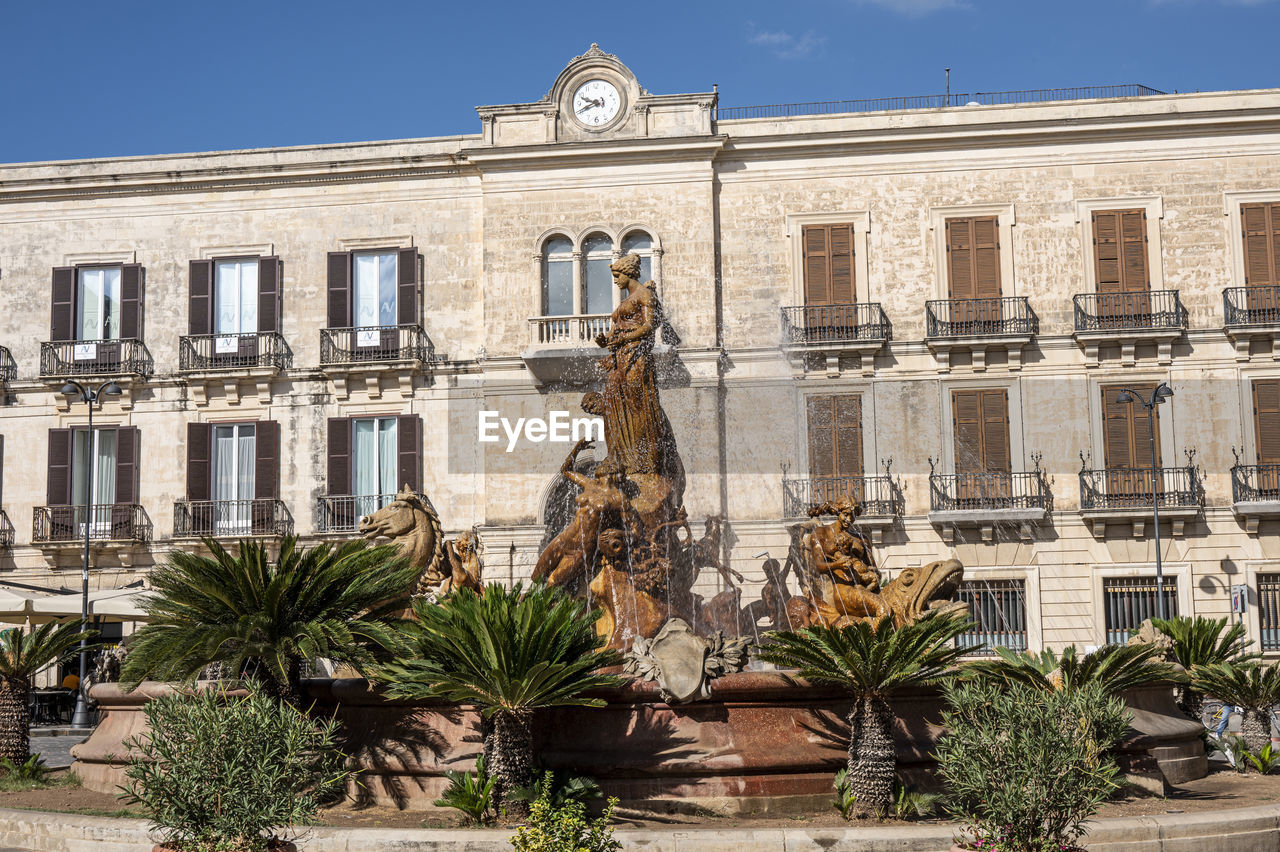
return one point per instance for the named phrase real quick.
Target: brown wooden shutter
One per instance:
(62, 316)
(200, 298)
(980, 423)
(59, 483)
(995, 431)
(339, 473)
(339, 289)
(1126, 435)
(269, 293)
(835, 435)
(1133, 251)
(960, 281)
(822, 450)
(986, 257)
(1261, 233)
(828, 264)
(1266, 420)
(407, 309)
(266, 468)
(409, 437)
(128, 451)
(1120, 252)
(199, 461)
(973, 257)
(132, 283)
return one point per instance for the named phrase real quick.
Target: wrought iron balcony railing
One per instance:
(1259, 305)
(979, 492)
(231, 518)
(107, 522)
(124, 357)
(1255, 483)
(8, 367)
(575, 330)
(863, 321)
(374, 343)
(1005, 316)
(6, 530)
(1134, 488)
(342, 512)
(213, 352)
(879, 495)
(1152, 310)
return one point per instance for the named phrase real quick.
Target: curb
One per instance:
(1254, 829)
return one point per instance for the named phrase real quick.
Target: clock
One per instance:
(596, 103)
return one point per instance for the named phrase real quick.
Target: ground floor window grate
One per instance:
(1269, 611)
(1129, 601)
(999, 608)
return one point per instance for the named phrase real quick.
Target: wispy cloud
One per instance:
(785, 45)
(914, 8)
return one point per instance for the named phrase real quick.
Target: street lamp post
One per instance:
(73, 390)
(1161, 392)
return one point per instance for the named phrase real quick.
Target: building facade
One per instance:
(934, 309)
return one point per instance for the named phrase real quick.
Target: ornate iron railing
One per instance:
(998, 609)
(6, 530)
(231, 518)
(124, 357)
(375, 343)
(1007, 315)
(342, 512)
(8, 366)
(880, 496)
(1251, 483)
(1129, 601)
(107, 522)
(575, 330)
(1259, 305)
(1154, 309)
(835, 323)
(1022, 96)
(1269, 611)
(959, 492)
(212, 352)
(1133, 488)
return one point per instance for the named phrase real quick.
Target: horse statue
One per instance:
(412, 524)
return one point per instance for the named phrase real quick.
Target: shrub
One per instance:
(1027, 766)
(566, 828)
(565, 787)
(470, 793)
(846, 800)
(908, 802)
(31, 774)
(220, 772)
(1266, 761)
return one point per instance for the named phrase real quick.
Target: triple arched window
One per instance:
(576, 280)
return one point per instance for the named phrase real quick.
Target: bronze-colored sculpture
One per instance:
(413, 525)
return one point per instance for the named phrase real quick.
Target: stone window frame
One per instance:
(794, 232)
(577, 238)
(100, 258)
(1097, 424)
(1231, 202)
(1013, 389)
(237, 251)
(1248, 432)
(1252, 617)
(1030, 577)
(864, 388)
(1006, 220)
(1097, 573)
(1154, 207)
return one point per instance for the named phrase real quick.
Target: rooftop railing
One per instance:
(231, 518)
(123, 357)
(1007, 315)
(1252, 305)
(879, 495)
(960, 492)
(212, 352)
(359, 345)
(1132, 488)
(848, 323)
(1153, 309)
(107, 522)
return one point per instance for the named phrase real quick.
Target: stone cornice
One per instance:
(616, 152)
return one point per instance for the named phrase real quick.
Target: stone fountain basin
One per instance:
(763, 742)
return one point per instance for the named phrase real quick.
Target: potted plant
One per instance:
(226, 773)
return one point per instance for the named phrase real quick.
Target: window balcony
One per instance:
(817, 336)
(1124, 496)
(112, 526)
(341, 513)
(225, 360)
(879, 496)
(349, 355)
(124, 361)
(979, 326)
(8, 367)
(1252, 313)
(1255, 493)
(562, 349)
(231, 519)
(988, 501)
(1127, 319)
(6, 530)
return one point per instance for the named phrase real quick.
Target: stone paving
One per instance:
(56, 751)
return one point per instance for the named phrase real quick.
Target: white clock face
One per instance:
(596, 103)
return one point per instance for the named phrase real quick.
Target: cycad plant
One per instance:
(1250, 685)
(1203, 641)
(256, 615)
(871, 662)
(22, 654)
(1115, 668)
(509, 652)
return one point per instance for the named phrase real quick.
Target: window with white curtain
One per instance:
(98, 304)
(638, 242)
(597, 293)
(557, 277)
(99, 450)
(233, 486)
(373, 463)
(235, 297)
(374, 297)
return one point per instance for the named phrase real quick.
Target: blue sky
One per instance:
(81, 79)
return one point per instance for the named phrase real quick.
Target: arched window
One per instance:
(557, 277)
(597, 290)
(638, 242)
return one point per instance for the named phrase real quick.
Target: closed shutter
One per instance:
(1126, 434)
(1266, 420)
(1261, 234)
(1120, 251)
(828, 264)
(407, 308)
(266, 471)
(409, 437)
(339, 289)
(200, 298)
(128, 451)
(986, 257)
(973, 257)
(132, 286)
(59, 483)
(199, 456)
(63, 312)
(339, 472)
(980, 424)
(269, 294)
(835, 446)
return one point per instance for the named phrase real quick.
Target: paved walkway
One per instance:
(56, 751)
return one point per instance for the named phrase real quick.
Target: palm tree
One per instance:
(1115, 667)
(509, 652)
(23, 654)
(1250, 685)
(257, 616)
(1201, 641)
(872, 662)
